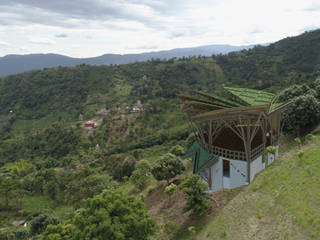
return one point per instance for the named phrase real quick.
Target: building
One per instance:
(89, 124)
(233, 131)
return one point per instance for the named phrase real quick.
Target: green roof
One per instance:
(201, 158)
(232, 98)
(251, 96)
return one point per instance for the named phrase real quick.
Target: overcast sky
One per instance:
(86, 28)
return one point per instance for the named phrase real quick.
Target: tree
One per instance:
(141, 174)
(304, 112)
(39, 223)
(195, 191)
(295, 91)
(167, 167)
(112, 215)
(8, 184)
(59, 232)
(177, 150)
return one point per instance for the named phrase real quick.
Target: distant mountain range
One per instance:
(12, 64)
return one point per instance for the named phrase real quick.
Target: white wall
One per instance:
(238, 173)
(216, 174)
(255, 167)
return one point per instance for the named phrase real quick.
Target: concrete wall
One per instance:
(255, 167)
(216, 174)
(238, 173)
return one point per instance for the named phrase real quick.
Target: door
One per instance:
(226, 173)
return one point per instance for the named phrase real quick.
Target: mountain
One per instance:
(12, 64)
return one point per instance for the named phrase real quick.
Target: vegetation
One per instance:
(50, 163)
(196, 196)
(167, 167)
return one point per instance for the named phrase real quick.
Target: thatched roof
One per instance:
(233, 101)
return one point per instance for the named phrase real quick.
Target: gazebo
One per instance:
(232, 131)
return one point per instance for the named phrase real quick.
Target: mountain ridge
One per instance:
(15, 63)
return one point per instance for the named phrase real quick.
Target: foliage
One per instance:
(295, 91)
(141, 174)
(304, 112)
(39, 223)
(113, 215)
(19, 234)
(8, 185)
(300, 154)
(195, 191)
(271, 149)
(167, 167)
(62, 231)
(123, 170)
(177, 150)
(298, 141)
(170, 189)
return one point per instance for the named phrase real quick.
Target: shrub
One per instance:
(271, 149)
(59, 232)
(195, 191)
(39, 223)
(141, 175)
(167, 167)
(170, 189)
(19, 234)
(300, 154)
(177, 150)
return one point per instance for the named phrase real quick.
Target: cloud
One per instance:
(313, 8)
(42, 41)
(144, 47)
(3, 43)
(67, 12)
(256, 30)
(61, 35)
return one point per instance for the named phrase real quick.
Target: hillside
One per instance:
(281, 203)
(13, 64)
(50, 161)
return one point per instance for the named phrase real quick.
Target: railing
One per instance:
(257, 152)
(232, 154)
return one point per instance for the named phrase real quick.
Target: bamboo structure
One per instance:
(237, 125)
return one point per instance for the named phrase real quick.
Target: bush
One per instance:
(141, 175)
(195, 191)
(177, 150)
(167, 167)
(39, 223)
(170, 189)
(59, 232)
(271, 149)
(19, 234)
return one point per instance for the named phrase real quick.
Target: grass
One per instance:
(282, 203)
(21, 125)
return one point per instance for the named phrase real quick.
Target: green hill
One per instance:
(281, 203)
(50, 161)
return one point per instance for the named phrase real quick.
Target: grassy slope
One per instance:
(281, 203)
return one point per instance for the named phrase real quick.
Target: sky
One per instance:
(87, 28)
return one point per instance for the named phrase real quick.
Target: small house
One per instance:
(232, 131)
(89, 124)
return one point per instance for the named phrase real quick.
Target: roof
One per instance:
(233, 100)
(201, 159)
